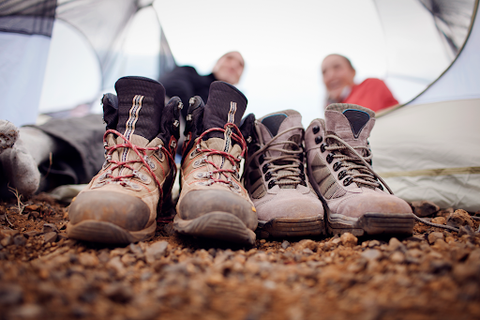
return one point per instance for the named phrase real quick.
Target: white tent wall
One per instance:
(23, 60)
(430, 148)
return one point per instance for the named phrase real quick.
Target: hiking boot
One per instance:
(120, 204)
(339, 167)
(275, 178)
(213, 202)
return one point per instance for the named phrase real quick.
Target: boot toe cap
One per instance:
(123, 210)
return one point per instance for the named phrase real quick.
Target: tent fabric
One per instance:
(430, 148)
(25, 31)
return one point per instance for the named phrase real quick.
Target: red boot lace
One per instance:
(234, 132)
(141, 153)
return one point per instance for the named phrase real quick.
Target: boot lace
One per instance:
(286, 169)
(357, 168)
(142, 158)
(220, 174)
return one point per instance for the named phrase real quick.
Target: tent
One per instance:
(26, 28)
(429, 148)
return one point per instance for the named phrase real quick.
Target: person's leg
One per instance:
(21, 151)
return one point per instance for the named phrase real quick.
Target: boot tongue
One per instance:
(140, 105)
(225, 104)
(350, 122)
(276, 124)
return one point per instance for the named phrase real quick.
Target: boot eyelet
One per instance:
(322, 147)
(337, 166)
(318, 139)
(347, 181)
(342, 174)
(271, 184)
(261, 159)
(194, 153)
(268, 176)
(197, 163)
(330, 158)
(315, 129)
(265, 167)
(160, 155)
(149, 161)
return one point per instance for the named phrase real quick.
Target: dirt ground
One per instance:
(433, 274)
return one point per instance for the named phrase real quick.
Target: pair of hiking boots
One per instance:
(295, 183)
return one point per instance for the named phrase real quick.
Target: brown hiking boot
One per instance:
(213, 202)
(339, 167)
(120, 203)
(275, 178)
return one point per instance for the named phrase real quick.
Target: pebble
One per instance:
(372, 254)
(395, 244)
(285, 244)
(19, 240)
(50, 237)
(460, 218)
(434, 236)
(397, 257)
(49, 227)
(156, 251)
(88, 259)
(349, 240)
(424, 208)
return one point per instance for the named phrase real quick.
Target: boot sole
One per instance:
(107, 232)
(216, 225)
(284, 227)
(372, 224)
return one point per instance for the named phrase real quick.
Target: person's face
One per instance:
(337, 74)
(229, 68)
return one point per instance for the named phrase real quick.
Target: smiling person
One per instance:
(338, 76)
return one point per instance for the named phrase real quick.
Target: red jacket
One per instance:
(372, 93)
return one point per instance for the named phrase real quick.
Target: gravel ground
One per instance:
(434, 274)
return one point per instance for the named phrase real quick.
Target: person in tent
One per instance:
(40, 158)
(338, 76)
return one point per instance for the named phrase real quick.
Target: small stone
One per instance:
(357, 265)
(434, 236)
(88, 259)
(397, 257)
(50, 237)
(128, 259)
(156, 251)
(104, 256)
(464, 272)
(306, 244)
(349, 240)
(439, 220)
(49, 227)
(372, 254)
(424, 208)
(460, 218)
(19, 240)
(6, 241)
(395, 244)
(285, 244)
(116, 265)
(373, 243)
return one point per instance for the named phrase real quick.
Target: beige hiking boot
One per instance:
(275, 178)
(213, 202)
(339, 167)
(120, 204)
